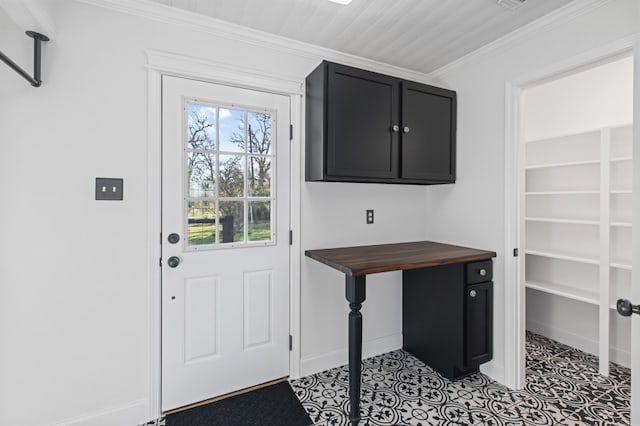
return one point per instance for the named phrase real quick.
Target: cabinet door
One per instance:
(362, 107)
(429, 133)
(479, 323)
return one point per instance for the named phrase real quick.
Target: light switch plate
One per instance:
(369, 217)
(109, 188)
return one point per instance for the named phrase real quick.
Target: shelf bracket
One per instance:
(35, 81)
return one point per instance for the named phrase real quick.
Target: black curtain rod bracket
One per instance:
(35, 81)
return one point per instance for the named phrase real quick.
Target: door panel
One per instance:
(201, 323)
(258, 309)
(225, 293)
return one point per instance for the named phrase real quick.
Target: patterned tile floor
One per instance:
(563, 388)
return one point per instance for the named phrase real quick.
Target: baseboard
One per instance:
(316, 364)
(133, 413)
(494, 371)
(617, 355)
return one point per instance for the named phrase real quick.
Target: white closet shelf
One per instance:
(590, 297)
(565, 291)
(579, 259)
(622, 224)
(561, 136)
(614, 159)
(562, 164)
(625, 266)
(582, 192)
(561, 220)
(621, 191)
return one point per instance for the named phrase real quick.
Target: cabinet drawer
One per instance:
(478, 272)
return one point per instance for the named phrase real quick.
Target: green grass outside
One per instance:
(201, 234)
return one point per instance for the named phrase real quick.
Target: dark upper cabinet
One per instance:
(363, 126)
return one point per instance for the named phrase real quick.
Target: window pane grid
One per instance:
(229, 192)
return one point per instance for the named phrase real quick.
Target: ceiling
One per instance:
(420, 35)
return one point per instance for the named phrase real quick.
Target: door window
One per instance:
(229, 159)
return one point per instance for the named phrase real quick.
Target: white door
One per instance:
(225, 239)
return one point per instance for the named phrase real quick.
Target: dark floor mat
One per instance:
(275, 405)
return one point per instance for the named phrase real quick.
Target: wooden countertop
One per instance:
(363, 260)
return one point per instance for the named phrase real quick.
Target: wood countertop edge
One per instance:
(484, 255)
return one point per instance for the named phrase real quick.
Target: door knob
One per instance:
(405, 129)
(395, 128)
(173, 238)
(625, 308)
(173, 261)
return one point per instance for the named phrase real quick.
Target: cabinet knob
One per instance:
(395, 128)
(405, 129)
(473, 293)
(482, 272)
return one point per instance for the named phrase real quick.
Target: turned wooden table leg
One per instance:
(355, 294)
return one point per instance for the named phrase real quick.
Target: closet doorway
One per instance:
(576, 225)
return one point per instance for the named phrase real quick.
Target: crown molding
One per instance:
(564, 14)
(148, 9)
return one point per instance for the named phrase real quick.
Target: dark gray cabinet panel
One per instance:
(369, 127)
(479, 315)
(428, 129)
(360, 106)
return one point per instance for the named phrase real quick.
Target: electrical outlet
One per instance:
(369, 217)
(109, 188)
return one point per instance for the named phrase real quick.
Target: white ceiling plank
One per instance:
(300, 14)
(481, 21)
(369, 37)
(435, 32)
(350, 23)
(420, 35)
(416, 35)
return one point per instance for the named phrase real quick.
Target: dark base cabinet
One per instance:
(447, 316)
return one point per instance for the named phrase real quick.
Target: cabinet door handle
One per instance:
(395, 128)
(473, 293)
(482, 272)
(405, 129)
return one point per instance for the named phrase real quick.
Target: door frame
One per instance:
(161, 63)
(515, 303)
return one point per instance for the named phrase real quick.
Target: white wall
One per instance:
(74, 284)
(473, 212)
(587, 100)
